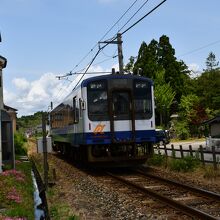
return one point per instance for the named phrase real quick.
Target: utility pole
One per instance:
(120, 54)
(3, 63)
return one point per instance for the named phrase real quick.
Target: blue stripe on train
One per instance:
(121, 136)
(105, 138)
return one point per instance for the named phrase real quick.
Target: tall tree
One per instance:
(147, 59)
(164, 96)
(207, 88)
(158, 56)
(130, 65)
(211, 62)
(176, 72)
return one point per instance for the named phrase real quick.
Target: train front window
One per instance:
(142, 99)
(121, 105)
(97, 101)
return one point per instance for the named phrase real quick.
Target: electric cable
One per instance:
(200, 48)
(133, 15)
(105, 34)
(143, 17)
(116, 37)
(107, 43)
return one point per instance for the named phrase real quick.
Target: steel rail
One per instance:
(204, 192)
(170, 202)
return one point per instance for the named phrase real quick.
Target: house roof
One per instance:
(3, 61)
(6, 107)
(213, 120)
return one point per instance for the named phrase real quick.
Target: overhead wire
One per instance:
(112, 39)
(116, 37)
(133, 15)
(102, 39)
(143, 17)
(134, 24)
(200, 48)
(105, 34)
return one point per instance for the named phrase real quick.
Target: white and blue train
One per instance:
(106, 120)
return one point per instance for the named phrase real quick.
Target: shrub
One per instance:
(186, 164)
(182, 130)
(157, 160)
(19, 140)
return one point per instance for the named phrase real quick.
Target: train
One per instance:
(108, 120)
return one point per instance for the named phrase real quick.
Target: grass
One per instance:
(210, 173)
(58, 207)
(157, 160)
(16, 193)
(186, 164)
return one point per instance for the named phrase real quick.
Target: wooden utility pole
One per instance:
(120, 54)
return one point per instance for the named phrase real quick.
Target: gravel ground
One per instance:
(95, 197)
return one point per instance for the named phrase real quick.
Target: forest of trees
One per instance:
(192, 99)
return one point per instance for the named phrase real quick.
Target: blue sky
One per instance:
(43, 38)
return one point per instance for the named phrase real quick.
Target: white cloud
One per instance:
(194, 70)
(32, 96)
(194, 67)
(21, 83)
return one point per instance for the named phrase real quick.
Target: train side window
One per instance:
(75, 110)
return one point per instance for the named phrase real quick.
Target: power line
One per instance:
(88, 68)
(112, 39)
(133, 15)
(143, 17)
(107, 43)
(105, 34)
(80, 72)
(200, 48)
(119, 19)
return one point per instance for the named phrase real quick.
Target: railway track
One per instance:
(195, 202)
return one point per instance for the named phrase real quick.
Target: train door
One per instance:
(122, 116)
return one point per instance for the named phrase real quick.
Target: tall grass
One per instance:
(19, 140)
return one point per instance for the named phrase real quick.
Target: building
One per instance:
(3, 63)
(214, 132)
(214, 126)
(13, 115)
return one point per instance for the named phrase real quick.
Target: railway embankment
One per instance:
(77, 193)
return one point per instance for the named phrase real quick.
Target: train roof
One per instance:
(114, 76)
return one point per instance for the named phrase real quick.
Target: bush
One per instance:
(182, 130)
(157, 160)
(19, 140)
(186, 164)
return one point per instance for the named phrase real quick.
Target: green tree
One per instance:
(147, 60)
(176, 72)
(192, 112)
(164, 96)
(130, 65)
(158, 56)
(207, 88)
(211, 62)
